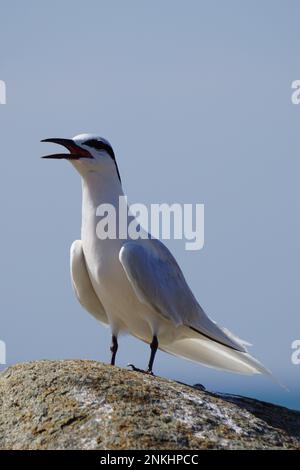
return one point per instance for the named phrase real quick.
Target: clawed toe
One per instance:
(136, 369)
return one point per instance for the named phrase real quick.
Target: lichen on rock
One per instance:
(76, 404)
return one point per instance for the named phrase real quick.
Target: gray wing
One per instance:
(159, 282)
(82, 284)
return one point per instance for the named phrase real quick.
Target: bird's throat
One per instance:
(100, 196)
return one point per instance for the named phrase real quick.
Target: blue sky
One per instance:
(195, 98)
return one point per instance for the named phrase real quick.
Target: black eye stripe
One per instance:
(100, 145)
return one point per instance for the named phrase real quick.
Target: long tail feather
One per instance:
(212, 354)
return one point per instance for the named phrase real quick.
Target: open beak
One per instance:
(76, 152)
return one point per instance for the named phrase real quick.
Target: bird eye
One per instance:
(100, 145)
(96, 144)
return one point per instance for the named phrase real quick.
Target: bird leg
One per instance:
(154, 347)
(114, 349)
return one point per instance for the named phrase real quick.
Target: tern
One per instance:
(136, 286)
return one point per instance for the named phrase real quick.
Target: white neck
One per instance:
(98, 189)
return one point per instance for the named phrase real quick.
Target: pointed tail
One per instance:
(212, 354)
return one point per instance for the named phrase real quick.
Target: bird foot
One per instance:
(136, 369)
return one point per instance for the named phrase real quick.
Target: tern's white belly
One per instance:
(124, 310)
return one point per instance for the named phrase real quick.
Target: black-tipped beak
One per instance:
(76, 152)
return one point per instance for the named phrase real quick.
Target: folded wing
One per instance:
(82, 284)
(159, 282)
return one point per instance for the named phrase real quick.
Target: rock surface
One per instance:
(88, 405)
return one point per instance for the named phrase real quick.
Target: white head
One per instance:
(88, 153)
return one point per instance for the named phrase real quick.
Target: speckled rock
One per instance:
(88, 405)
